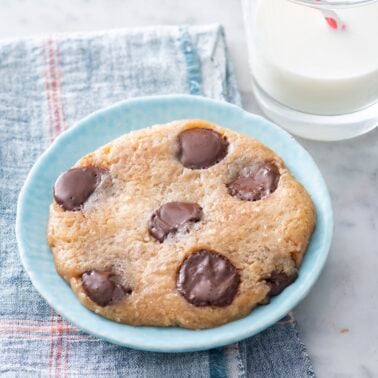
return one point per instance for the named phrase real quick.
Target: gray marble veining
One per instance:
(338, 318)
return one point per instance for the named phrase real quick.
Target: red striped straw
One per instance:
(332, 18)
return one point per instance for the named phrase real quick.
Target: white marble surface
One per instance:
(338, 319)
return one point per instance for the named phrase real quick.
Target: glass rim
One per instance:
(334, 3)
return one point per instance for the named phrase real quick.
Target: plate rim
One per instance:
(144, 345)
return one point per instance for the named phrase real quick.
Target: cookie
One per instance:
(186, 224)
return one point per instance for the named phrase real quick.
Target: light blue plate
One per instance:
(105, 125)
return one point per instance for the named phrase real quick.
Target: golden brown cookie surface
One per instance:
(183, 224)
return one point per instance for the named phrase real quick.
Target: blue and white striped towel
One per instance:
(48, 84)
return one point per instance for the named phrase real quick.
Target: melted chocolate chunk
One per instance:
(201, 148)
(278, 281)
(169, 217)
(206, 278)
(256, 184)
(73, 188)
(101, 287)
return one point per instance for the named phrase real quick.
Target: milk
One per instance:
(300, 61)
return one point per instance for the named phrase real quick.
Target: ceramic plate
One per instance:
(105, 125)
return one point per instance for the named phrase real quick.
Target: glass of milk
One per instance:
(315, 64)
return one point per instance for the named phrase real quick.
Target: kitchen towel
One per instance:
(46, 85)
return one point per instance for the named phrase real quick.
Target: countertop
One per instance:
(337, 320)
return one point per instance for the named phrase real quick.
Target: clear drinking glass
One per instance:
(314, 64)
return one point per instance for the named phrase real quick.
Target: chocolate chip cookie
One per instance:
(186, 224)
